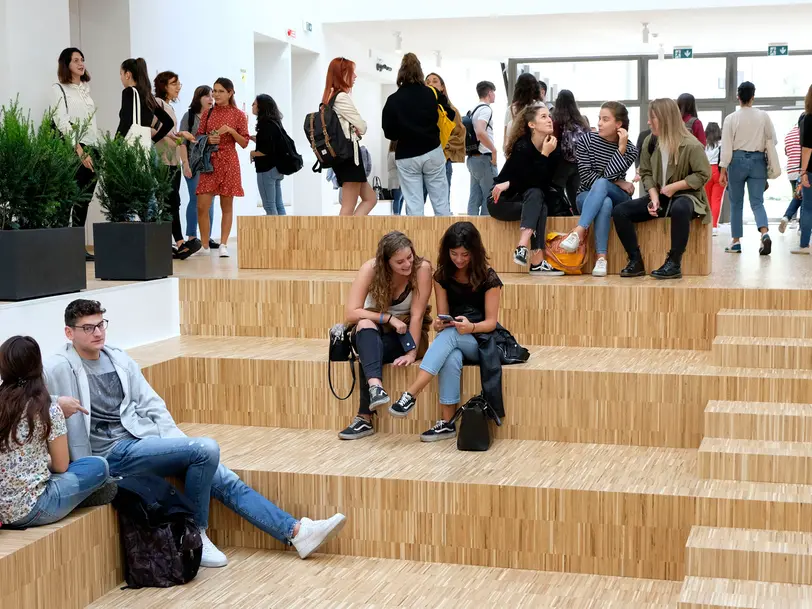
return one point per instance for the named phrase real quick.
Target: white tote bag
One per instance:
(138, 133)
(773, 164)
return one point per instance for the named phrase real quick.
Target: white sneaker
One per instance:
(223, 251)
(600, 268)
(715, 232)
(782, 226)
(800, 250)
(203, 251)
(313, 533)
(571, 243)
(212, 557)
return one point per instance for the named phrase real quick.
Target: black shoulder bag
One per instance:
(474, 432)
(341, 351)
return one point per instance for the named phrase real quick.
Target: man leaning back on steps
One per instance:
(113, 412)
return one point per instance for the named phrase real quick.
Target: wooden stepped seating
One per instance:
(770, 421)
(765, 323)
(343, 243)
(756, 460)
(781, 557)
(68, 564)
(584, 508)
(256, 578)
(758, 352)
(717, 593)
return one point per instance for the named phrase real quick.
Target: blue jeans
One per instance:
(397, 201)
(191, 208)
(449, 171)
(199, 460)
(595, 205)
(806, 216)
(445, 356)
(429, 170)
(795, 204)
(63, 492)
(270, 191)
(482, 173)
(746, 168)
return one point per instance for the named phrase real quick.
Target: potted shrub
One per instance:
(136, 241)
(41, 254)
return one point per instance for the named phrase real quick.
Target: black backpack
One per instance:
(326, 137)
(288, 161)
(471, 139)
(161, 541)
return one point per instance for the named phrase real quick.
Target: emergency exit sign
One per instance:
(778, 49)
(683, 52)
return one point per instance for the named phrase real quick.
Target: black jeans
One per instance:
(681, 210)
(174, 202)
(86, 181)
(529, 207)
(374, 350)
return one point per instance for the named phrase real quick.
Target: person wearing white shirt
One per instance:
(75, 114)
(482, 163)
(744, 161)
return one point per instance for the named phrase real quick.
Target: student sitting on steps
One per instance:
(123, 419)
(33, 444)
(387, 303)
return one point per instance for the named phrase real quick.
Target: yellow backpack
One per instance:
(571, 264)
(445, 124)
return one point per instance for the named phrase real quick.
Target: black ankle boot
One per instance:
(635, 268)
(672, 269)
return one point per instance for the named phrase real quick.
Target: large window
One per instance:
(787, 76)
(588, 80)
(703, 77)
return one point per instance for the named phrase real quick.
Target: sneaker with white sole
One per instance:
(804, 251)
(223, 251)
(212, 557)
(203, 251)
(359, 428)
(782, 226)
(377, 397)
(442, 430)
(571, 243)
(520, 255)
(313, 533)
(600, 268)
(545, 270)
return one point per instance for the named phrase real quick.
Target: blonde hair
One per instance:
(381, 286)
(672, 128)
(519, 126)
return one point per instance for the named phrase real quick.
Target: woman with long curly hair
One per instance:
(387, 305)
(38, 485)
(524, 183)
(467, 291)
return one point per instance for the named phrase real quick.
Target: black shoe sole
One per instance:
(667, 276)
(638, 274)
(398, 414)
(766, 247)
(101, 496)
(375, 405)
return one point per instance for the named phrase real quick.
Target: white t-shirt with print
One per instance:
(484, 113)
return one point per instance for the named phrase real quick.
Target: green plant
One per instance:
(134, 185)
(37, 179)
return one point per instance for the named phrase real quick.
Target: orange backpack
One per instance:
(571, 264)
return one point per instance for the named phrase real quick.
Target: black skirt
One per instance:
(348, 171)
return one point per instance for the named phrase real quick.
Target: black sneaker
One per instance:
(190, 247)
(102, 495)
(213, 245)
(377, 397)
(545, 270)
(403, 406)
(359, 428)
(89, 257)
(441, 431)
(520, 255)
(766, 245)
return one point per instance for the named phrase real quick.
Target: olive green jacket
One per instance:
(692, 166)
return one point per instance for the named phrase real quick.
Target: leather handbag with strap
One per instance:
(384, 194)
(475, 416)
(341, 350)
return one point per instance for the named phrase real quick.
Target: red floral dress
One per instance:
(225, 180)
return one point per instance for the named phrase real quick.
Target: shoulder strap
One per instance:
(136, 106)
(437, 97)
(64, 96)
(208, 116)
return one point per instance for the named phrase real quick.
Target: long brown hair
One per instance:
(140, 73)
(462, 234)
(339, 78)
(23, 392)
(381, 287)
(672, 127)
(410, 72)
(519, 127)
(808, 102)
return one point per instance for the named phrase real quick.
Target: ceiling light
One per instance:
(398, 42)
(645, 32)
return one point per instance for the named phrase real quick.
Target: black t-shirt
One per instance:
(269, 137)
(462, 297)
(805, 125)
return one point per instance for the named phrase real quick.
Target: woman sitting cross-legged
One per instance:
(38, 485)
(523, 184)
(466, 287)
(674, 176)
(603, 160)
(387, 304)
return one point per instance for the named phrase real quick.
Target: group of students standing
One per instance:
(213, 113)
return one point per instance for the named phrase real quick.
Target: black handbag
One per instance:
(384, 194)
(474, 432)
(340, 351)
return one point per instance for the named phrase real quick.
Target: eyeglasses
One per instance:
(91, 328)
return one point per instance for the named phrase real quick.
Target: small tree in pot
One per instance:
(135, 242)
(41, 254)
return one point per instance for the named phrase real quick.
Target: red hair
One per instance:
(339, 78)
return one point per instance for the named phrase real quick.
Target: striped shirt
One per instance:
(599, 158)
(792, 147)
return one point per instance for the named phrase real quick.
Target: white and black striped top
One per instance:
(599, 158)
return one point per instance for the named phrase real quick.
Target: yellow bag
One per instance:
(571, 264)
(445, 124)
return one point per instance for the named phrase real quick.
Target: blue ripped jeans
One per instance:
(205, 477)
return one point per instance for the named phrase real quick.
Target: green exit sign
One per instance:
(778, 50)
(683, 52)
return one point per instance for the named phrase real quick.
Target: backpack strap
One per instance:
(477, 108)
(65, 97)
(208, 116)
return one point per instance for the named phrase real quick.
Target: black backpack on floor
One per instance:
(161, 541)
(326, 137)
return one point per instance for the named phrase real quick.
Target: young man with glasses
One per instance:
(113, 412)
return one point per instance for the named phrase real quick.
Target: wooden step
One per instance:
(756, 352)
(756, 460)
(715, 593)
(325, 582)
(764, 556)
(585, 508)
(337, 243)
(764, 323)
(772, 421)
(67, 564)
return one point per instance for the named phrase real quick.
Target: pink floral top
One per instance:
(24, 471)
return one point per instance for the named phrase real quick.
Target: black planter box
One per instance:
(41, 262)
(132, 251)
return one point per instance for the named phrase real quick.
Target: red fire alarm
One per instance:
(291, 33)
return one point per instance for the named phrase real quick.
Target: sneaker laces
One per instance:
(439, 425)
